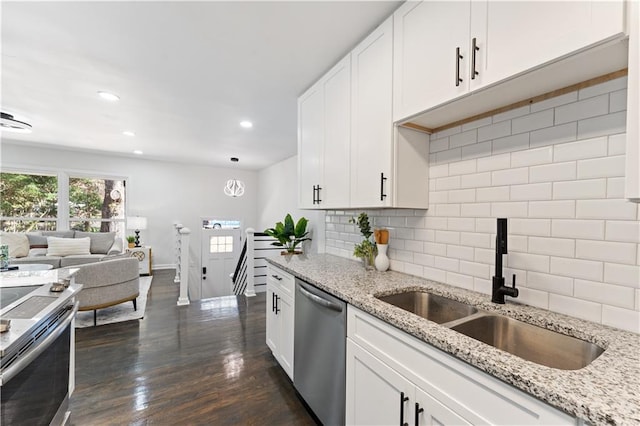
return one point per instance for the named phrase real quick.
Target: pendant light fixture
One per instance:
(10, 124)
(234, 187)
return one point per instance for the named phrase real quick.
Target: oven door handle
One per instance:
(319, 300)
(25, 360)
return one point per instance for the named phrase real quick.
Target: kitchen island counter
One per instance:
(607, 391)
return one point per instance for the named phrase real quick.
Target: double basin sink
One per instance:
(535, 344)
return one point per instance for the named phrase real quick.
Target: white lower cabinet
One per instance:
(394, 378)
(280, 317)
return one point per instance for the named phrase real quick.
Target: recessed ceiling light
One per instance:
(246, 124)
(137, 152)
(108, 96)
(128, 133)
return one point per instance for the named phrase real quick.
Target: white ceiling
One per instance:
(187, 73)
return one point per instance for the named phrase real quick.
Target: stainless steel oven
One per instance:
(35, 359)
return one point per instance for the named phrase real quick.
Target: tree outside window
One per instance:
(28, 202)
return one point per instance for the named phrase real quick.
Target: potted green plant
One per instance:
(131, 241)
(366, 250)
(288, 234)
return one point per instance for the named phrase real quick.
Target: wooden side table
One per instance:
(143, 254)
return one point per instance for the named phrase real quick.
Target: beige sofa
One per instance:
(34, 247)
(107, 283)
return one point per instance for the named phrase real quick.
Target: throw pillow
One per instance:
(67, 246)
(37, 240)
(18, 243)
(101, 242)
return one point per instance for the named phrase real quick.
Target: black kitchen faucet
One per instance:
(499, 290)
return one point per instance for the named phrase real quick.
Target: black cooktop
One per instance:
(8, 295)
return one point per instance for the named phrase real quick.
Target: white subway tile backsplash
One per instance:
(447, 156)
(533, 297)
(604, 125)
(475, 150)
(553, 172)
(487, 256)
(441, 170)
(462, 167)
(438, 197)
(580, 189)
(415, 222)
(528, 262)
(510, 176)
(414, 246)
(615, 187)
(464, 138)
(606, 209)
(435, 274)
(447, 132)
(462, 196)
(436, 249)
(552, 209)
(431, 222)
(413, 269)
(567, 98)
(445, 183)
(481, 285)
(625, 319)
(425, 234)
(606, 251)
(604, 293)
(627, 275)
(550, 283)
(487, 225)
(509, 209)
(537, 227)
(578, 228)
(516, 243)
(423, 259)
(589, 148)
(533, 121)
(446, 263)
(475, 210)
(460, 252)
(577, 268)
(592, 107)
(459, 280)
(618, 101)
(533, 191)
(601, 167)
(448, 237)
(554, 135)
(589, 311)
(499, 193)
(495, 162)
(479, 270)
(467, 224)
(532, 157)
(508, 115)
(438, 145)
(494, 131)
(510, 143)
(617, 144)
(475, 239)
(448, 209)
(628, 231)
(397, 221)
(477, 123)
(606, 87)
(552, 246)
(475, 180)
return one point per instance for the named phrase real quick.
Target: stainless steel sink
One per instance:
(530, 342)
(430, 306)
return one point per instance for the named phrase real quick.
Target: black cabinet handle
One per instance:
(382, 180)
(458, 57)
(204, 273)
(314, 194)
(277, 309)
(403, 399)
(276, 277)
(474, 49)
(318, 201)
(273, 302)
(418, 411)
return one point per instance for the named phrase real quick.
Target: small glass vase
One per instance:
(369, 262)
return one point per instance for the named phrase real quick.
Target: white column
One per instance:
(184, 266)
(251, 278)
(177, 226)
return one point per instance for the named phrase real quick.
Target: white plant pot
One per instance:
(382, 260)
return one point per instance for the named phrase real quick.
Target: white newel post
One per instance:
(184, 267)
(177, 227)
(251, 277)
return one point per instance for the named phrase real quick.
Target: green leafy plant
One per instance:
(131, 239)
(288, 234)
(367, 249)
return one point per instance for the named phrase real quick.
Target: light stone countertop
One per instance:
(607, 391)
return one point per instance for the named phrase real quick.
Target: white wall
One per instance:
(278, 195)
(556, 170)
(162, 191)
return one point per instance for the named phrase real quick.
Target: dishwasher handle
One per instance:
(319, 300)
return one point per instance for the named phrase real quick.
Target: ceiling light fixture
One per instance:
(9, 124)
(246, 124)
(108, 96)
(137, 152)
(234, 187)
(128, 133)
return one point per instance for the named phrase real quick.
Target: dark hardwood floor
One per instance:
(206, 363)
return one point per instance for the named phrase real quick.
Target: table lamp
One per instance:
(137, 223)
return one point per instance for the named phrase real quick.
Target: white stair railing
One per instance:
(177, 250)
(250, 276)
(183, 299)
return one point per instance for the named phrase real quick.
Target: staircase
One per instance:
(250, 276)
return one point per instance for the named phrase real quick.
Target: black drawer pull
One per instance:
(418, 411)
(458, 57)
(403, 399)
(474, 50)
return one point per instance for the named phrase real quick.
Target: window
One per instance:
(56, 201)
(29, 202)
(222, 244)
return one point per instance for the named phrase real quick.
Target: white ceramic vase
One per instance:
(382, 260)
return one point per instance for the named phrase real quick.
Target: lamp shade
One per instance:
(137, 222)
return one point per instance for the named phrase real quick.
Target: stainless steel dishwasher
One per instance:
(320, 352)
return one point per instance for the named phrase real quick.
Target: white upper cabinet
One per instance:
(517, 36)
(431, 53)
(445, 50)
(323, 140)
(371, 119)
